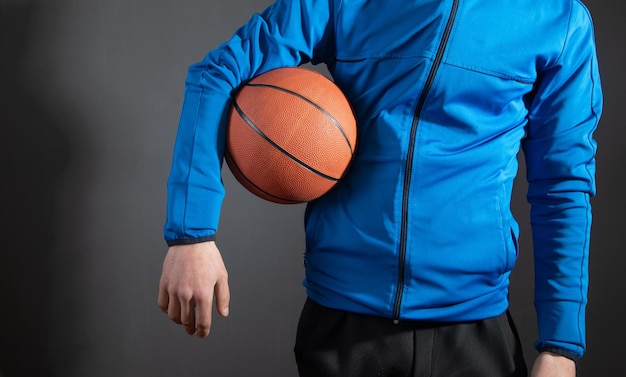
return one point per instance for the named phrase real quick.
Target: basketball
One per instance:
(291, 135)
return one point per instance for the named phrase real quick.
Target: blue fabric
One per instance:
(426, 233)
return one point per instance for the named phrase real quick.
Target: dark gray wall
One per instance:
(90, 94)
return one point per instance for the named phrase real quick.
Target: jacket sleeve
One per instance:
(287, 33)
(560, 156)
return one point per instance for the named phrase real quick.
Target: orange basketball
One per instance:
(291, 135)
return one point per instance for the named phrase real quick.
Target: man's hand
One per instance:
(552, 365)
(191, 275)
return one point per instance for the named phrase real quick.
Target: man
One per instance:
(408, 258)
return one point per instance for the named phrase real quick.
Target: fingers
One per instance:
(203, 318)
(173, 311)
(194, 313)
(204, 307)
(163, 300)
(181, 308)
(188, 316)
(167, 306)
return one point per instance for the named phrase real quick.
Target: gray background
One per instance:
(90, 94)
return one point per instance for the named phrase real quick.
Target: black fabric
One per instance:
(189, 241)
(334, 343)
(560, 351)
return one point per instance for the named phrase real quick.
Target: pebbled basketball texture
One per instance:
(291, 135)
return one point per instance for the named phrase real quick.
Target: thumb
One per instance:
(222, 297)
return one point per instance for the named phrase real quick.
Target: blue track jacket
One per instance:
(445, 93)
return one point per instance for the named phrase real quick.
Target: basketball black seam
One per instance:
(243, 175)
(278, 147)
(326, 113)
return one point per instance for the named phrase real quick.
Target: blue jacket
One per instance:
(445, 93)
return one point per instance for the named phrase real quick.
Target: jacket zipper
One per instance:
(409, 161)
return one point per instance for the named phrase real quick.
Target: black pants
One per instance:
(334, 343)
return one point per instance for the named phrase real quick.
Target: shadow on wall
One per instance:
(35, 154)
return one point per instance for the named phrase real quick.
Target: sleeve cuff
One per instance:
(189, 241)
(560, 351)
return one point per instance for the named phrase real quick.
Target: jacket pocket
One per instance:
(510, 232)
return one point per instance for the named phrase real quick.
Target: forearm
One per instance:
(272, 39)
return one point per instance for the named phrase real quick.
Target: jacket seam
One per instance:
(191, 157)
(565, 39)
(522, 80)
